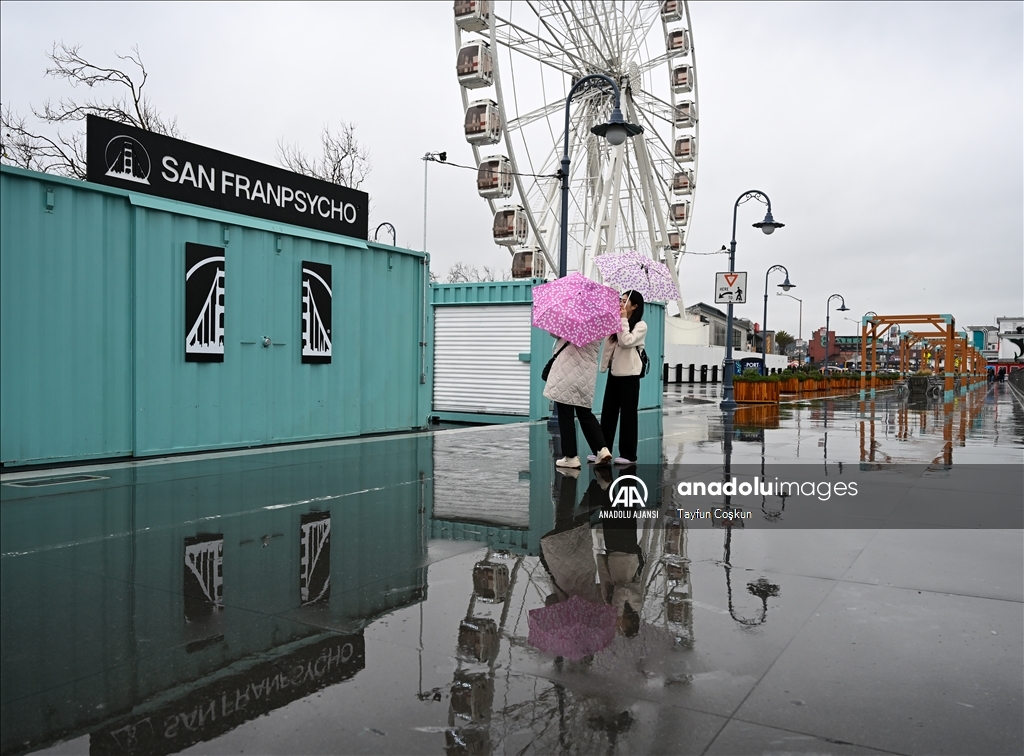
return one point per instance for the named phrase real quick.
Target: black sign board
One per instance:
(204, 303)
(748, 363)
(316, 312)
(143, 161)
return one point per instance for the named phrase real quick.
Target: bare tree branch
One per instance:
(64, 154)
(24, 148)
(344, 161)
(133, 108)
(462, 272)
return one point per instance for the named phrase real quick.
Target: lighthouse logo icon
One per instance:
(127, 159)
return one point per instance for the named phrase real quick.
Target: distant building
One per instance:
(1011, 339)
(742, 329)
(842, 350)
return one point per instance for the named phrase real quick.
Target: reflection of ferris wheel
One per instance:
(516, 64)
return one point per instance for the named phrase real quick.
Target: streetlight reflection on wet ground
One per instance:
(374, 595)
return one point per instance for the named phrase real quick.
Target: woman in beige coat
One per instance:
(571, 383)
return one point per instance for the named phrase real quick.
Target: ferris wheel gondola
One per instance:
(524, 58)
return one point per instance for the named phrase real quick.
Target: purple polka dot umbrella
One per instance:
(633, 270)
(573, 628)
(576, 309)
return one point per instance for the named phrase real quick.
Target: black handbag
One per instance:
(645, 362)
(547, 368)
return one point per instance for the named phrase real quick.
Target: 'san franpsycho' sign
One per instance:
(142, 161)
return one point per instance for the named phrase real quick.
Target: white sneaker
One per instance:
(591, 458)
(571, 462)
(624, 461)
(604, 456)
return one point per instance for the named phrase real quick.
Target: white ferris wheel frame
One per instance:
(648, 193)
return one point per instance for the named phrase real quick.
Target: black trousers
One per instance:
(621, 396)
(567, 428)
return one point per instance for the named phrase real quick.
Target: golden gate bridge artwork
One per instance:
(130, 162)
(316, 312)
(206, 332)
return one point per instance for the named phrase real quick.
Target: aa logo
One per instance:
(628, 491)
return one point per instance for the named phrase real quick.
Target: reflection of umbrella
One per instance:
(577, 309)
(573, 628)
(632, 270)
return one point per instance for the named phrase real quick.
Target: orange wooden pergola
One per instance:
(968, 362)
(939, 330)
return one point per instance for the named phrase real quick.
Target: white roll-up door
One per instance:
(476, 359)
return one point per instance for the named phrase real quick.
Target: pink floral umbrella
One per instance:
(577, 309)
(573, 628)
(632, 270)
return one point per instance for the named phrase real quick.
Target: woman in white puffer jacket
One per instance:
(570, 385)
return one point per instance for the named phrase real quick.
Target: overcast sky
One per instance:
(890, 137)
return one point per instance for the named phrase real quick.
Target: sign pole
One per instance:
(728, 403)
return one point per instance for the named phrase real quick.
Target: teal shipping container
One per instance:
(487, 358)
(93, 297)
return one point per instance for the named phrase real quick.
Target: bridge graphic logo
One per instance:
(204, 303)
(316, 312)
(128, 160)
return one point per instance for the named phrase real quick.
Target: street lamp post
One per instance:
(430, 157)
(842, 308)
(785, 286)
(800, 322)
(615, 131)
(768, 226)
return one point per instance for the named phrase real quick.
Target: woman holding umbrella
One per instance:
(621, 360)
(571, 384)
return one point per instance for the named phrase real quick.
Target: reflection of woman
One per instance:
(621, 360)
(571, 385)
(570, 553)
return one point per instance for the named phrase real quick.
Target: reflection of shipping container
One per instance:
(145, 637)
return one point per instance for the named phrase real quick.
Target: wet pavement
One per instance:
(374, 595)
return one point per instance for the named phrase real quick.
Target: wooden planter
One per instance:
(766, 392)
(789, 386)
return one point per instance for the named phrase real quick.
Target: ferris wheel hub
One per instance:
(622, 195)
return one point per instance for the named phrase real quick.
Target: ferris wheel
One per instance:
(516, 63)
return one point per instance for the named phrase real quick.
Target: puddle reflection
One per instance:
(162, 607)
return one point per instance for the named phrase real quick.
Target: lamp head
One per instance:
(843, 308)
(786, 285)
(617, 129)
(769, 224)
